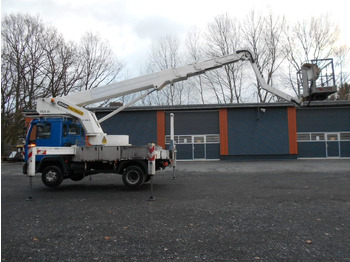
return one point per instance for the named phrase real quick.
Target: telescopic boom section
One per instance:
(73, 104)
(153, 81)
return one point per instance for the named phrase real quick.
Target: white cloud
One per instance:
(156, 27)
(131, 25)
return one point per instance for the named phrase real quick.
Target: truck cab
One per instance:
(54, 132)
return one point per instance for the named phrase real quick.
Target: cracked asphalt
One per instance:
(213, 211)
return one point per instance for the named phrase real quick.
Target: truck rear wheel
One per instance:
(52, 176)
(133, 177)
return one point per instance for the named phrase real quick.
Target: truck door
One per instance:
(73, 134)
(39, 134)
(44, 131)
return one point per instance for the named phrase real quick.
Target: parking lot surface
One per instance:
(213, 211)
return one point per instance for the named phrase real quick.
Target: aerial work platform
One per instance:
(317, 80)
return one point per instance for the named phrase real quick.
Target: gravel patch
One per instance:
(213, 211)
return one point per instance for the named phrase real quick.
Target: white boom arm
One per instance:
(73, 104)
(152, 81)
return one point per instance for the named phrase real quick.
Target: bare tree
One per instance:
(195, 53)
(341, 60)
(223, 38)
(71, 68)
(21, 75)
(7, 87)
(165, 54)
(21, 54)
(263, 35)
(37, 62)
(99, 64)
(342, 94)
(62, 69)
(310, 39)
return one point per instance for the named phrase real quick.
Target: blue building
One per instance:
(240, 131)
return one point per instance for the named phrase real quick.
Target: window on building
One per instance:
(317, 136)
(167, 139)
(303, 136)
(194, 139)
(185, 139)
(198, 139)
(332, 137)
(212, 139)
(345, 136)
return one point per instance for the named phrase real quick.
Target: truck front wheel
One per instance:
(52, 176)
(133, 177)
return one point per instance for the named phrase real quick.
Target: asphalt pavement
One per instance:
(295, 210)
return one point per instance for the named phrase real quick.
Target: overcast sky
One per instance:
(131, 25)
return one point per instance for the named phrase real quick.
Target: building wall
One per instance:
(240, 132)
(323, 119)
(225, 133)
(255, 133)
(323, 132)
(198, 127)
(141, 126)
(194, 122)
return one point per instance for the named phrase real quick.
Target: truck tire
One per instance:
(52, 176)
(133, 177)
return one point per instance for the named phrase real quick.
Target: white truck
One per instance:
(66, 140)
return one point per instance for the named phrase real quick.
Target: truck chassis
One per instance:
(136, 164)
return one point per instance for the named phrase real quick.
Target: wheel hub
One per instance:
(132, 177)
(51, 176)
